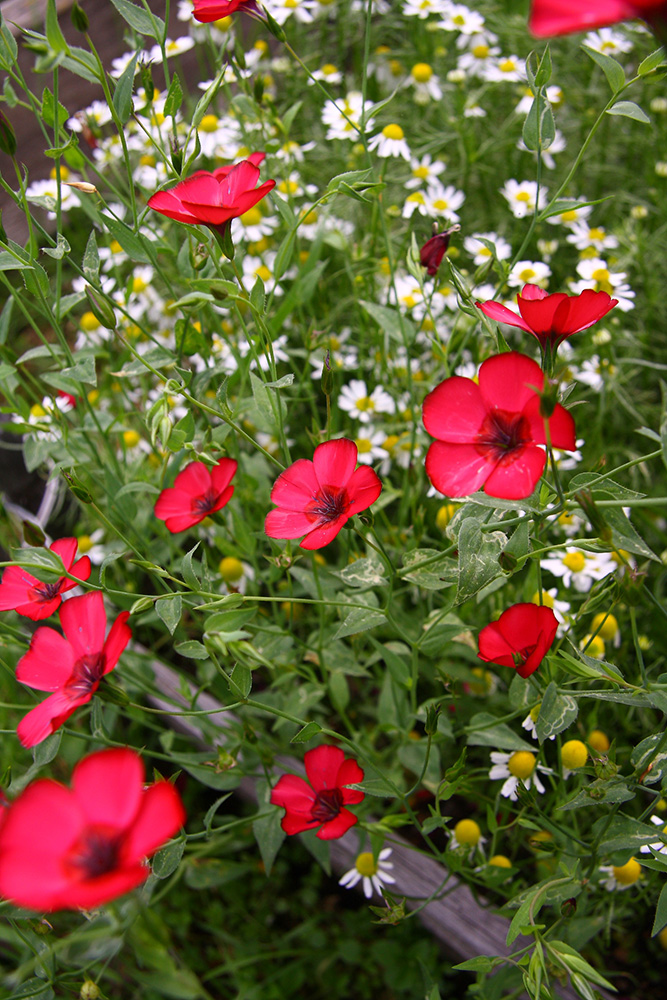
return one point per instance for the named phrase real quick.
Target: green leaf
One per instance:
(284, 255)
(628, 109)
(439, 572)
(557, 712)
(240, 680)
(397, 327)
(479, 964)
(122, 96)
(364, 573)
(651, 62)
(169, 611)
(191, 650)
(167, 860)
(49, 111)
(598, 792)
(269, 835)
(140, 20)
(136, 246)
(47, 750)
(543, 74)
(612, 70)
(306, 733)
(8, 46)
(650, 756)
(484, 731)
(59, 250)
(660, 919)
(8, 262)
(359, 620)
(45, 564)
(479, 553)
(54, 35)
(174, 98)
(624, 833)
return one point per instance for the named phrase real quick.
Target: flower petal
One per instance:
(296, 486)
(49, 662)
(108, 787)
(516, 479)
(501, 314)
(457, 469)
(334, 462)
(363, 488)
(322, 766)
(337, 827)
(294, 794)
(454, 410)
(160, 816)
(116, 641)
(84, 623)
(45, 718)
(509, 381)
(281, 523)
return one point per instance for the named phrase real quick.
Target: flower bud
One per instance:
(548, 399)
(7, 136)
(89, 990)
(80, 21)
(147, 80)
(77, 488)
(431, 724)
(432, 252)
(32, 533)
(568, 907)
(176, 157)
(101, 308)
(327, 375)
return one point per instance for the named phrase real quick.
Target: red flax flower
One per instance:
(489, 433)
(214, 199)
(71, 666)
(320, 801)
(213, 10)
(520, 638)
(316, 498)
(551, 318)
(561, 17)
(25, 594)
(64, 848)
(197, 492)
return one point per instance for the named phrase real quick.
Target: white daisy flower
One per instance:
(424, 172)
(356, 401)
(339, 118)
(529, 272)
(584, 236)
(558, 144)
(579, 569)
(370, 442)
(460, 18)
(301, 10)
(373, 875)
(521, 196)
(91, 546)
(390, 142)
(426, 83)
(443, 202)
(516, 767)
(554, 96)
(571, 217)
(172, 47)
(479, 54)
(596, 275)
(467, 836)
(424, 8)
(620, 877)
(608, 42)
(481, 253)
(328, 73)
(511, 69)
(594, 371)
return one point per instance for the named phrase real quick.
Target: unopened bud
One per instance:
(327, 375)
(77, 487)
(82, 186)
(80, 21)
(176, 157)
(274, 27)
(548, 399)
(7, 136)
(432, 252)
(198, 257)
(32, 533)
(101, 308)
(585, 500)
(431, 724)
(568, 907)
(147, 80)
(89, 990)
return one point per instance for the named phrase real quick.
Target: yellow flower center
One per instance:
(37, 411)
(422, 72)
(593, 646)
(89, 322)
(486, 681)
(467, 832)
(288, 187)
(115, 247)
(139, 285)
(263, 273)
(147, 160)
(85, 543)
(441, 205)
(606, 626)
(575, 561)
(522, 196)
(390, 442)
(599, 740)
(261, 46)
(252, 217)
(601, 278)
(535, 711)
(421, 172)
(365, 864)
(596, 234)
(329, 69)
(395, 67)
(444, 515)
(527, 275)
(223, 23)
(628, 873)
(459, 20)
(547, 599)
(416, 196)
(507, 66)
(231, 569)
(573, 754)
(393, 132)
(481, 52)
(363, 445)
(521, 764)
(64, 173)
(209, 123)
(366, 404)
(131, 439)
(500, 861)
(570, 216)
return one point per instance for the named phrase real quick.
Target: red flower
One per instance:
(488, 434)
(197, 492)
(25, 594)
(71, 666)
(213, 10)
(551, 318)
(64, 848)
(431, 254)
(560, 17)
(316, 498)
(520, 638)
(214, 199)
(320, 801)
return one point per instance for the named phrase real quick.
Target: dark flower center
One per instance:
(205, 503)
(328, 803)
(96, 853)
(502, 433)
(46, 591)
(87, 673)
(521, 655)
(329, 504)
